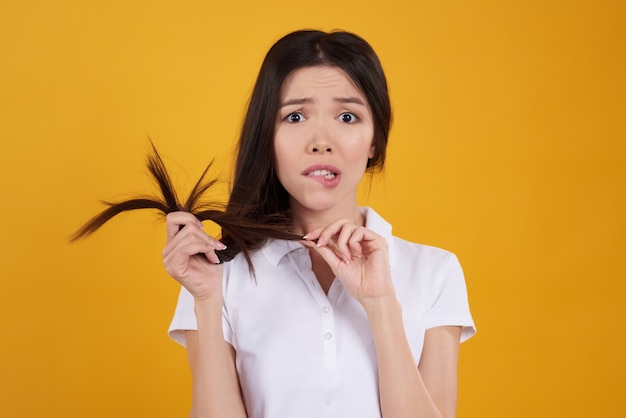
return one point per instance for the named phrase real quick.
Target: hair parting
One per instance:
(244, 234)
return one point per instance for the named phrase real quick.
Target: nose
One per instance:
(320, 148)
(320, 139)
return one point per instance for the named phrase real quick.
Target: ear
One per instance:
(372, 152)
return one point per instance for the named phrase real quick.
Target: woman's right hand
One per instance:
(189, 256)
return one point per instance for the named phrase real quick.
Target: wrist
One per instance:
(385, 319)
(382, 307)
(209, 303)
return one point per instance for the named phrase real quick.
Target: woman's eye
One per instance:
(348, 117)
(294, 117)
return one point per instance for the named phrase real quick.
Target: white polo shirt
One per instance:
(301, 353)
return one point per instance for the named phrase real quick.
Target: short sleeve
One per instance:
(185, 319)
(449, 304)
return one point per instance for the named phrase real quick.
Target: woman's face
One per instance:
(323, 138)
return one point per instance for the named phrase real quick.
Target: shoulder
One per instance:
(401, 250)
(405, 250)
(430, 284)
(428, 268)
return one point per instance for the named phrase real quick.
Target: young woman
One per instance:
(349, 321)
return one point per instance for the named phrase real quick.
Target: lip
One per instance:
(326, 182)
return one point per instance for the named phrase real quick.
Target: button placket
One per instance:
(327, 334)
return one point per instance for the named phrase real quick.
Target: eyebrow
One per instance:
(306, 100)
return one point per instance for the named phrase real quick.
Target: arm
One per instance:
(215, 387)
(359, 258)
(189, 257)
(406, 390)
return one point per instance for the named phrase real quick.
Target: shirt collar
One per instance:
(274, 250)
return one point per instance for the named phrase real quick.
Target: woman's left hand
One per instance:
(358, 257)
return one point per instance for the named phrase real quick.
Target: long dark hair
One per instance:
(258, 207)
(256, 191)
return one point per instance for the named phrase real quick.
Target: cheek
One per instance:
(281, 153)
(363, 145)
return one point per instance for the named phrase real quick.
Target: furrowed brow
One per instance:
(353, 100)
(293, 102)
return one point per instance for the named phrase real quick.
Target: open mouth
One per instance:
(327, 174)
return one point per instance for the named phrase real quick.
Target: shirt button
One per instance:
(326, 309)
(328, 336)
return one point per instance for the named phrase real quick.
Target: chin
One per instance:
(311, 203)
(320, 202)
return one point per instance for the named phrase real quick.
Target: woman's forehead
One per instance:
(319, 80)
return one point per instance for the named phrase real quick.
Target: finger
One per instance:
(313, 235)
(196, 245)
(177, 261)
(342, 239)
(326, 233)
(175, 221)
(337, 236)
(202, 250)
(367, 241)
(189, 234)
(197, 240)
(209, 255)
(192, 230)
(355, 242)
(329, 255)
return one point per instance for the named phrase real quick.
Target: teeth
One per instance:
(327, 174)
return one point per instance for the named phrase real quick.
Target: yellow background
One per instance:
(508, 148)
